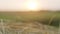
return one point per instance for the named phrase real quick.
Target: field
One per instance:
(44, 22)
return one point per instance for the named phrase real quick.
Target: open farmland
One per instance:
(30, 22)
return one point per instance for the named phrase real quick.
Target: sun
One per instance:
(32, 5)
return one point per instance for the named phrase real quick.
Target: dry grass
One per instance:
(29, 28)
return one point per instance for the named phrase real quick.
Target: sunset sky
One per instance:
(20, 5)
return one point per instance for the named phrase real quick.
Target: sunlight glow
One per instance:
(32, 5)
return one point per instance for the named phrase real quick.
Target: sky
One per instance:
(15, 5)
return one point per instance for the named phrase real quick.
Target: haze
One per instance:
(19, 5)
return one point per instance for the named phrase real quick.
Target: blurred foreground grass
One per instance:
(32, 22)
